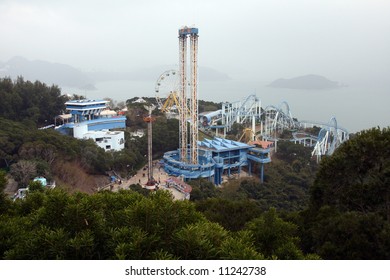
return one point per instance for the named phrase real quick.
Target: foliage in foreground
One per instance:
(127, 225)
(349, 212)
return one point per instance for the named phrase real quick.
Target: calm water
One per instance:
(355, 107)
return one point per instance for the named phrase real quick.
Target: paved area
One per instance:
(141, 178)
(160, 176)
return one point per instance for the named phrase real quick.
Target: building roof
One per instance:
(86, 102)
(263, 144)
(102, 133)
(220, 144)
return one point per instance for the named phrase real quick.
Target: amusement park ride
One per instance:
(190, 104)
(149, 120)
(167, 92)
(211, 158)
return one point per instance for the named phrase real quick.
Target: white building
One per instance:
(108, 140)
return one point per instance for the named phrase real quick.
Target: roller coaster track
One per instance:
(276, 119)
(240, 111)
(330, 137)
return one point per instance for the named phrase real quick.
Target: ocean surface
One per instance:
(356, 107)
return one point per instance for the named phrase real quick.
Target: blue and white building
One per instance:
(90, 119)
(217, 157)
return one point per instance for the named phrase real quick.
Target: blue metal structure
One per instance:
(216, 157)
(207, 119)
(260, 156)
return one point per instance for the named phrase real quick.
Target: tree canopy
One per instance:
(124, 225)
(33, 102)
(357, 176)
(349, 213)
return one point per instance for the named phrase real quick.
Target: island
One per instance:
(311, 82)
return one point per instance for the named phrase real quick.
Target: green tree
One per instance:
(349, 213)
(42, 243)
(3, 181)
(23, 171)
(35, 186)
(239, 246)
(231, 214)
(24, 100)
(200, 241)
(357, 176)
(202, 189)
(274, 237)
(347, 235)
(4, 202)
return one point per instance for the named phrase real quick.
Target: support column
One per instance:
(262, 173)
(194, 98)
(183, 98)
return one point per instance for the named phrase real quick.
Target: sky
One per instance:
(343, 40)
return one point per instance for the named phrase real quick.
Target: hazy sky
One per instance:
(255, 39)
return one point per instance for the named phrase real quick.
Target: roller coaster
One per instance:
(243, 111)
(274, 120)
(278, 119)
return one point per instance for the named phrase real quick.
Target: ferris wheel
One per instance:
(167, 89)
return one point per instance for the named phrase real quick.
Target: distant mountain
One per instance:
(68, 76)
(313, 82)
(47, 72)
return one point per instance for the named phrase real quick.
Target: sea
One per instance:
(356, 107)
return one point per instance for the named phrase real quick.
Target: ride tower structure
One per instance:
(149, 120)
(188, 107)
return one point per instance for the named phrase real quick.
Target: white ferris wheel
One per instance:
(167, 91)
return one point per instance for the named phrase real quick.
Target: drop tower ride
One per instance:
(188, 111)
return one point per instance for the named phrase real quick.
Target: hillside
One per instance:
(50, 73)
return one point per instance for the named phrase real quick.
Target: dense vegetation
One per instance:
(34, 103)
(349, 212)
(127, 225)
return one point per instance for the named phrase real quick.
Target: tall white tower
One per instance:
(188, 107)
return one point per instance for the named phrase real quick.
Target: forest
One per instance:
(338, 209)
